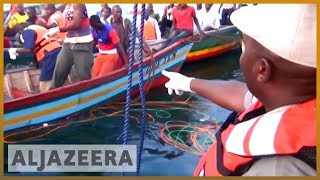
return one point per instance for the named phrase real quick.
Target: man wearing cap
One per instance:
(273, 129)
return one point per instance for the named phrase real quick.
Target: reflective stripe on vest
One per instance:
(149, 32)
(273, 133)
(42, 44)
(111, 51)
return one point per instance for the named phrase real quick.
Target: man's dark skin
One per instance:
(267, 76)
(49, 10)
(32, 13)
(199, 6)
(19, 29)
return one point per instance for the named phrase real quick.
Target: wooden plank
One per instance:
(27, 80)
(8, 84)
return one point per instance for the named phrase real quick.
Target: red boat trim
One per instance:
(83, 85)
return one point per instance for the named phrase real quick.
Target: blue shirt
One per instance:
(103, 36)
(29, 37)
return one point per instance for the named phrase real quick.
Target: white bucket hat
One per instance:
(288, 30)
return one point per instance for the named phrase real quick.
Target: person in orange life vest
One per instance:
(151, 28)
(56, 19)
(33, 18)
(109, 46)
(77, 50)
(182, 25)
(45, 49)
(273, 129)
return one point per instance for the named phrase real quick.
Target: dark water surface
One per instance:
(158, 158)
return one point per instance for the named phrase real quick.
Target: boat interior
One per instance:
(24, 81)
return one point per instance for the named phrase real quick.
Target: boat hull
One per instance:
(214, 43)
(73, 98)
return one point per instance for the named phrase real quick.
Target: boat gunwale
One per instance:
(78, 87)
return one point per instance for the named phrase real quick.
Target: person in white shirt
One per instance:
(151, 27)
(106, 15)
(199, 14)
(212, 18)
(225, 11)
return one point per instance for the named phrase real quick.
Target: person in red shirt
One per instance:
(6, 42)
(182, 24)
(109, 45)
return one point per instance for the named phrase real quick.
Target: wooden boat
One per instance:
(214, 43)
(24, 107)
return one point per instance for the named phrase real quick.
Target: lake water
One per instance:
(158, 158)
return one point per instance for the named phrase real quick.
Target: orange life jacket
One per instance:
(284, 131)
(42, 44)
(149, 32)
(61, 22)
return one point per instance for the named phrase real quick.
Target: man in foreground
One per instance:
(273, 132)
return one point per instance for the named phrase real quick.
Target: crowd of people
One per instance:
(273, 128)
(272, 131)
(63, 42)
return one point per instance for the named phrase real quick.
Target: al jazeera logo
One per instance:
(72, 158)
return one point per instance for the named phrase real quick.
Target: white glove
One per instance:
(178, 82)
(53, 31)
(13, 53)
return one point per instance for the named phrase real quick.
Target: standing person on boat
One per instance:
(151, 28)
(45, 49)
(166, 21)
(77, 47)
(33, 18)
(106, 15)
(275, 132)
(19, 17)
(103, 6)
(109, 45)
(211, 20)
(183, 18)
(225, 11)
(122, 27)
(154, 15)
(56, 19)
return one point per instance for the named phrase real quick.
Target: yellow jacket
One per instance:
(16, 19)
